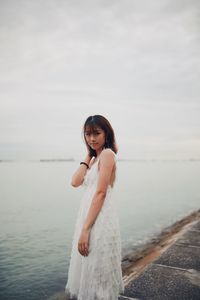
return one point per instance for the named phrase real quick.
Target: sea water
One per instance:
(39, 208)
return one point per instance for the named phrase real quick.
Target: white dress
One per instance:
(97, 276)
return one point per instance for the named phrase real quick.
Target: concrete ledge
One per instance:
(158, 282)
(172, 272)
(181, 256)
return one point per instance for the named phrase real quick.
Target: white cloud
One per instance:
(136, 62)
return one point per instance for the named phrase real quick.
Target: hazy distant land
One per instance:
(71, 159)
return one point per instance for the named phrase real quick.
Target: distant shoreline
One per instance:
(50, 160)
(134, 262)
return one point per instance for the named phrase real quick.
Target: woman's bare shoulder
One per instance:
(107, 154)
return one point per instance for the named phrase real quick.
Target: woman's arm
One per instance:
(78, 177)
(105, 170)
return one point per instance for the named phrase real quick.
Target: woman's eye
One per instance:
(95, 133)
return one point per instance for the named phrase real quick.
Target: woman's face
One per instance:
(95, 138)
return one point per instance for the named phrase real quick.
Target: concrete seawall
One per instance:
(168, 267)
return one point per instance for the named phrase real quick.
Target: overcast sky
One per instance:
(135, 62)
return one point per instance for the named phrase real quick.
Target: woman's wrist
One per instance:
(85, 164)
(87, 159)
(86, 228)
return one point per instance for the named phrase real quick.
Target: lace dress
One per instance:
(97, 276)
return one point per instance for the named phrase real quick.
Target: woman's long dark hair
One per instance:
(91, 123)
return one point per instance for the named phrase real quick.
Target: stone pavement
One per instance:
(174, 275)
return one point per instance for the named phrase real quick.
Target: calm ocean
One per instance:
(39, 207)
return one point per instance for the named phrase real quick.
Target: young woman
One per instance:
(95, 264)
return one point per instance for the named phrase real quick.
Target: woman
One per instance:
(95, 265)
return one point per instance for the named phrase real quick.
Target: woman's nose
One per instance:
(92, 137)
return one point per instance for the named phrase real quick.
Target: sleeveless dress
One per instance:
(97, 276)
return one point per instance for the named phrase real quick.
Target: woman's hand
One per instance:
(83, 243)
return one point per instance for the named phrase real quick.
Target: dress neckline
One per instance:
(94, 162)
